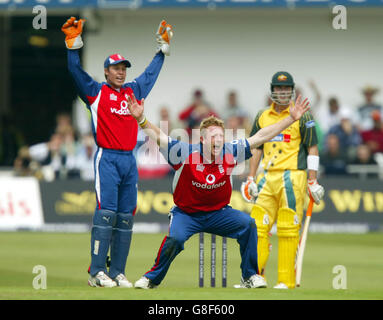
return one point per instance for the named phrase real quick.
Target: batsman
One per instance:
(290, 163)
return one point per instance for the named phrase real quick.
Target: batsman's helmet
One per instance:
(282, 78)
(285, 79)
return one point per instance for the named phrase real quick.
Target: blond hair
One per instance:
(211, 121)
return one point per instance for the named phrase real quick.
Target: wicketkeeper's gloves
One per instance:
(249, 190)
(163, 36)
(315, 190)
(72, 29)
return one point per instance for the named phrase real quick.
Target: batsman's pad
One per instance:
(262, 220)
(288, 225)
(72, 29)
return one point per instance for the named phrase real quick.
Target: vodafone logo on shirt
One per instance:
(208, 186)
(210, 179)
(123, 109)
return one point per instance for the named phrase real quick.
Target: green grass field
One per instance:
(66, 259)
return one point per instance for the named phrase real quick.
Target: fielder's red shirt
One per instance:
(199, 185)
(112, 124)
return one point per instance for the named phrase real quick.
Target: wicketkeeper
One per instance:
(280, 193)
(115, 133)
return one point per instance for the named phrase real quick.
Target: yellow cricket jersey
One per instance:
(289, 149)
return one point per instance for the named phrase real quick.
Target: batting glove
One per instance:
(249, 190)
(163, 36)
(73, 30)
(315, 190)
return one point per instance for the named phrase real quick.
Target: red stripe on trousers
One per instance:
(158, 256)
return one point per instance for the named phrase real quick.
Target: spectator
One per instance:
(364, 111)
(166, 123)
(234, 110)
(58, 156)
(235, 124)
(69, 150)
(48, 155)
(364, 155)
(347, 134)
(195, 112)
(22, 164)
(330, 116)
(63, 122)
(374, 137)
(333, 160)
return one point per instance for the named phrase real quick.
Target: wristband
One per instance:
(313, 162)
(143, 122)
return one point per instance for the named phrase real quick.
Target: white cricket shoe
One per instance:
(101, 280)
(255, 281)
(144, 283)
(281, 285)
(122, 282)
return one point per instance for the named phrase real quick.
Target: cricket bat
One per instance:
(302, 244)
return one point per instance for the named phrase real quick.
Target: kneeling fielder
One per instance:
(202, 191)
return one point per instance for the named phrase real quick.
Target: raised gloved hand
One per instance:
(315, 190)
(163, 36)
(72, 29)
(249, 190)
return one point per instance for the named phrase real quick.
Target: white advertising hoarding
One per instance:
(20, 203)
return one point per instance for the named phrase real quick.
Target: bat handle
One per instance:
(310, 208)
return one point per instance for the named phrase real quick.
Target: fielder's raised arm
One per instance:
(155, 133)
(269, 132)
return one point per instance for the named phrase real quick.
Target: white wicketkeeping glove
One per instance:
(249, 190)
(315, 190)
(163, 36)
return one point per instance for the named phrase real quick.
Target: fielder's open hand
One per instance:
(299, 108)
(163, 36)
(72, 29)
(136, 108)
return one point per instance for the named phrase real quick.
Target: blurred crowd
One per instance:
(66, 155)
(348, 135)
(351, 136)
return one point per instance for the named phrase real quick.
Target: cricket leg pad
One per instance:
(288, 226)
(262, 221)
(103, 222)
(120, 244)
